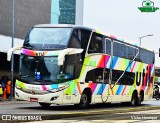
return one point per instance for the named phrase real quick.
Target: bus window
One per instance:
(123, 51)
(85, 35)
(70, 71)
(80, 38)
(142, 56)
(149, 57)
(131, 53)
(120, 50)
(72, 66)
(108, 46)
(47, 38)
(90, 76)
(116, 75)
(116, 50)
(106, 75)
(138, 56)
(75, 41)
(96, 44)
(95, 75)
(128, 78)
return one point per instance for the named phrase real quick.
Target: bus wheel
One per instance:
(45, 105)
(140, 99)
(84, 101)
(134, 99)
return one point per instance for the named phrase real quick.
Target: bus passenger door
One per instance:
(72, 70)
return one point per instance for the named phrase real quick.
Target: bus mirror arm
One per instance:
(9, 53)
(68, 51)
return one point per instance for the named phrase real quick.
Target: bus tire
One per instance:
(140, 98)
(85, 100)
(157, 97)
(44, 105)
(134, 99)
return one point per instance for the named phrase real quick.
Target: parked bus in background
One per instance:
(69, 64)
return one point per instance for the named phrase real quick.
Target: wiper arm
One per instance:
(23, 75)
(28, 47)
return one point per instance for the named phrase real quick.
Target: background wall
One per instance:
(27, 14)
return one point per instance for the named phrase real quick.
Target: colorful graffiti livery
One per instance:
(85, 67)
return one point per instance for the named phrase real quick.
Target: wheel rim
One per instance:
(84, 99)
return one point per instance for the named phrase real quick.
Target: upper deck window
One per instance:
(48, 38)
(96, 44)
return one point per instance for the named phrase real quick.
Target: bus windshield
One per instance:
(47, 38)
(42, 70)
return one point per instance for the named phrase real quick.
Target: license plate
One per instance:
(33, 100)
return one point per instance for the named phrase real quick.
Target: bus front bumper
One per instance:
(52, 98)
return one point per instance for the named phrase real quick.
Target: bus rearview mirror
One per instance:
(68, 51)
(9, 53)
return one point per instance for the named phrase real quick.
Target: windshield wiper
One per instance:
(23, 76)
(28, 47)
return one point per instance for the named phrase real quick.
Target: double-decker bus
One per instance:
(69, 64)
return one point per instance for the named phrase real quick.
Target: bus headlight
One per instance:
(53, 91)
(58, 89)
(18, 87)
(54, 98)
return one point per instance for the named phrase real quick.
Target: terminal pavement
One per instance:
(96, 112)
(149, 116)
(81, 112)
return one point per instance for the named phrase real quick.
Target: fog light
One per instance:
(54, 98)
(18, 87)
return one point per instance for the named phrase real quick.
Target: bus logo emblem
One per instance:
(39, 53)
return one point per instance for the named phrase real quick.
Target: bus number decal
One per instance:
(68, 97)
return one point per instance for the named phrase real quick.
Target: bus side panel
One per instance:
(73, 93)
(99, 90)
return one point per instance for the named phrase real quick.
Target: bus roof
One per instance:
(83, 27)
(62, 25)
